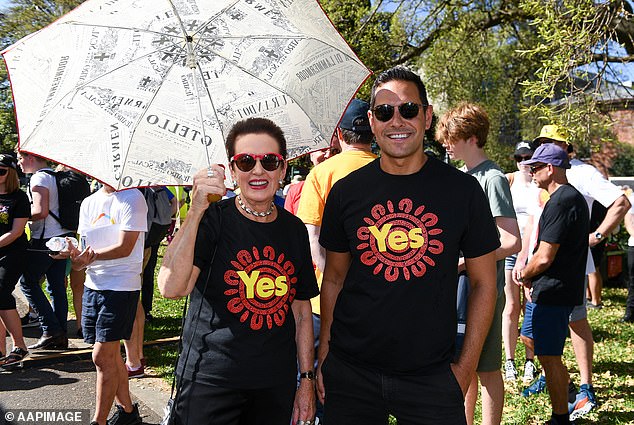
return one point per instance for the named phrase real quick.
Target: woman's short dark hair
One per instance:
(400, 73)
(255, 126)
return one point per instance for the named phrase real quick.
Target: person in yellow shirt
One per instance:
(355, 137)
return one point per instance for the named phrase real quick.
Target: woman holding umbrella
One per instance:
(15, 211)
(247, 265)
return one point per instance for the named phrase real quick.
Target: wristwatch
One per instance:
(598, 235)
(310, 375)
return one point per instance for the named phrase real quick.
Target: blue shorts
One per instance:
(547, 326)
(108, 316)
(509, 262)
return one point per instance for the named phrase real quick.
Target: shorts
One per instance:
(202, 403)
(11, 268)
(358, 395)
(509, 262)
(547, 326)
(491, 356)
(108, 316)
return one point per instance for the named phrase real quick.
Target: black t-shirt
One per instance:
(397, 309)
(245, 337)
(564, 221)
(13, 205)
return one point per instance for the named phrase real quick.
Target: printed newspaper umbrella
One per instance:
(142, 92)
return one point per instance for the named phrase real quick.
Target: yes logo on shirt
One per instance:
(398, 242)
(261, 287)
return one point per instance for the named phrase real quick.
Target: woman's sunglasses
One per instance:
(408, 110)
(519, 158)
(246, 161)
(3, 171)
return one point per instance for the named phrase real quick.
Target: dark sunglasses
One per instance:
(408, 110)
(519, 158)
(3, 171)
(536, 168)
(246, 161)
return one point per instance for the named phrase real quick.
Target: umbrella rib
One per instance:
(147, 31)
(140, 118)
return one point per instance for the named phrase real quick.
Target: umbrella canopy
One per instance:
(142, 92)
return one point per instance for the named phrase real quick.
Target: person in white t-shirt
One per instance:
(112, 226)
(53, 315)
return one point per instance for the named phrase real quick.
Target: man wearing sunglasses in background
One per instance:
(593, 186)
(392, 231)
(556, 272)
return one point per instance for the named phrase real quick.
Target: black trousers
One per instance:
(356, 395)
(202, 404)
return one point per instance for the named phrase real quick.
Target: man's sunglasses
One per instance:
(519, 158)
(408, 110)
(3, 171)
(246, 161)
(536, 168)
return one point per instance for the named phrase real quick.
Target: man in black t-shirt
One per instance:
(556, 271)
(393, 231)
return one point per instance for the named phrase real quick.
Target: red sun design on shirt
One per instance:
(398, 242)
(261, 287)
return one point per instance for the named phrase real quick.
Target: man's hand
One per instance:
(82, 259)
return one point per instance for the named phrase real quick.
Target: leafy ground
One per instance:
(613, 363)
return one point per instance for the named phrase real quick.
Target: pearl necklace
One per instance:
(255, 213)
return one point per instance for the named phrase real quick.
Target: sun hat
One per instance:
(551, 132)
(549, 153)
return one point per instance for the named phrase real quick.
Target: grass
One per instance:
(613, 363)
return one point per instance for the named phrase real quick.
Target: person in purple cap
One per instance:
(556, 272)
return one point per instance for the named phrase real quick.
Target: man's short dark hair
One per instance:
(352, 138)
(255, 126)
(400, 73)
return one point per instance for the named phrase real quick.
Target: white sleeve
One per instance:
(601, 189)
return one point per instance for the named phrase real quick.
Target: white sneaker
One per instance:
(510, 373)
(530, 372)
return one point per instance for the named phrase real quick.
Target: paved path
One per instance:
(66, 380)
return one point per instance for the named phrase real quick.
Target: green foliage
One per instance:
(373, 35)
(623, 164)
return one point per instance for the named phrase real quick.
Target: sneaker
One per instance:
(29, 320)
(135, 373)
(510, 373)
(530, 372)
(591, 306)
(537, 387)
(584, 403)
(120, 417)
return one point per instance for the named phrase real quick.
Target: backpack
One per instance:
(72, 189)
(159, 214)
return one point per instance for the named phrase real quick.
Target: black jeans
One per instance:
(356, 395)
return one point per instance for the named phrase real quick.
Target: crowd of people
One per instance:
(386, 286)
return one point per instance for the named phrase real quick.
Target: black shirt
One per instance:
(564, 221)
(245, 337)
(397, 309)
(13, 205)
